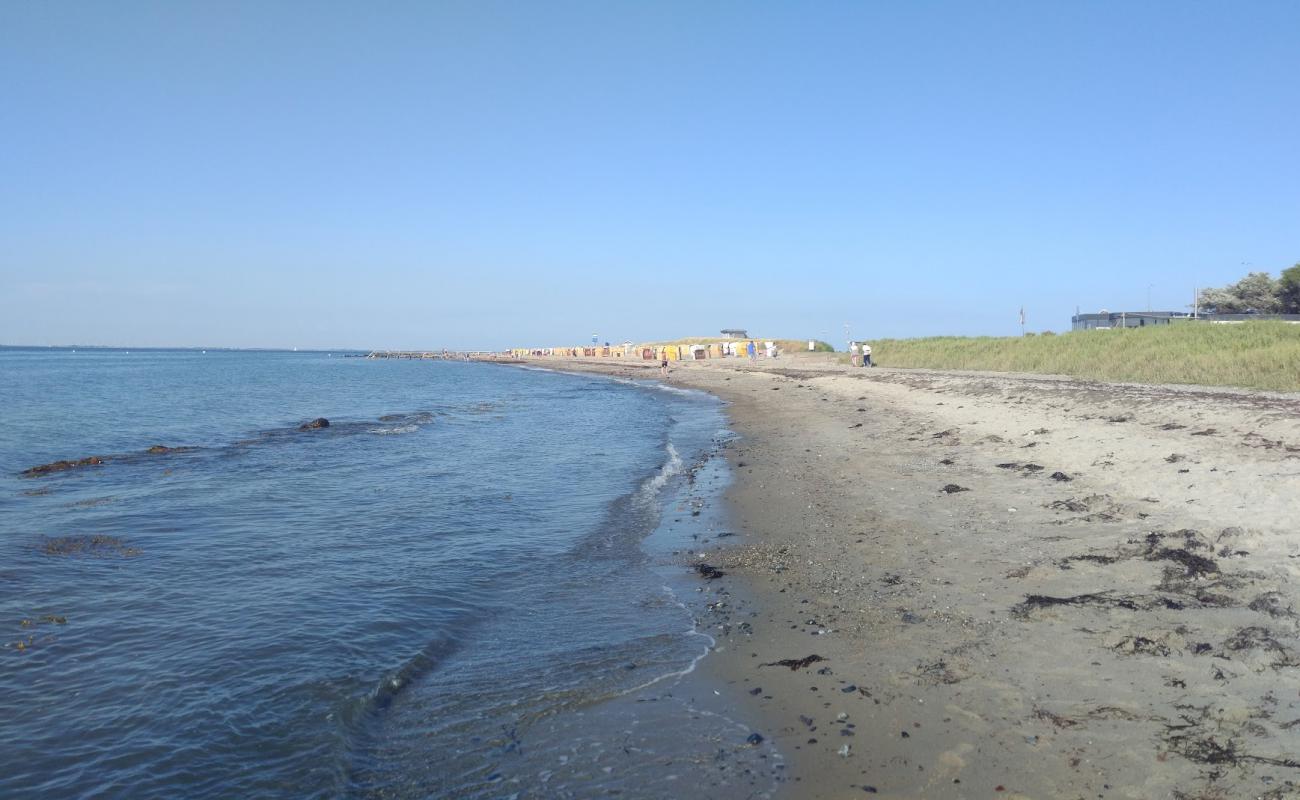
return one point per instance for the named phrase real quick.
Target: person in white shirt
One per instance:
(866, 355)
(855, 354)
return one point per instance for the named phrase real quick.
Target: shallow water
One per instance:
(462, 587)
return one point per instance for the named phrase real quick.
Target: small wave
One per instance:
(664, 387)
(416, 418)
(652, 485)
(693, 632)
(396, 430)
(659, 386)
(385, 692)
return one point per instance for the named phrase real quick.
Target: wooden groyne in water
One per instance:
(440, 355)
(445, 355)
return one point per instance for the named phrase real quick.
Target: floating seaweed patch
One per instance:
(61, 466)
(96, 545)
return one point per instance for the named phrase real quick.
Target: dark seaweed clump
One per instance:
(61, 466)
(795, 663)
(709, 572)
(98, 545)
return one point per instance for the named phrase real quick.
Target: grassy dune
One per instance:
(1256, 355)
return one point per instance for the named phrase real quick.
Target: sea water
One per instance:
(471, 584)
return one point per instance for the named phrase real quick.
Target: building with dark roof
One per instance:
(1104, 320)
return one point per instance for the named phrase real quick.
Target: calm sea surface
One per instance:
(462, 588)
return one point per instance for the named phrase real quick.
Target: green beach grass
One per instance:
(1253, 355)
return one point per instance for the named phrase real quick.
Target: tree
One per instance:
(1288, 290)
(1257, 292)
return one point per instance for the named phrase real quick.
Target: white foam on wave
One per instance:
(395, 430)
(672, 466)
(664, 387)
(677, 675)
(693, 631)
(657, 385)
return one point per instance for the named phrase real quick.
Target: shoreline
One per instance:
(1103, 602)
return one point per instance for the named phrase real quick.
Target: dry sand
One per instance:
(1014, 586)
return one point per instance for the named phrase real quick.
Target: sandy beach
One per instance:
(990, 585)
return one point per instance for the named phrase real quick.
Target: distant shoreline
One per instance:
(128, 349)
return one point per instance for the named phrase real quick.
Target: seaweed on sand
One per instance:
(795, 663)
(1098, 599)
(1206, 749)
(1092, 558)
(1196, 566)
(1141, 645)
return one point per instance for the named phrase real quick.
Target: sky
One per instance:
(478, 175)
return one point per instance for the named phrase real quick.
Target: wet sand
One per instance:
(1014, 586)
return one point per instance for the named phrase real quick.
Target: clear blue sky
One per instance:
(482, 174)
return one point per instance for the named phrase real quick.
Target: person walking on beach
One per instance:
(855, 354)
(753, 351)
(663, 366)
(866, 355)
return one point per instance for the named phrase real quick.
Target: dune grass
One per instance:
(1255, 355)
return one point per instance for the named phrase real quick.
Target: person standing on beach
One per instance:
(866, 355)
(753, 351)
(855, 354)
(663, 366)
